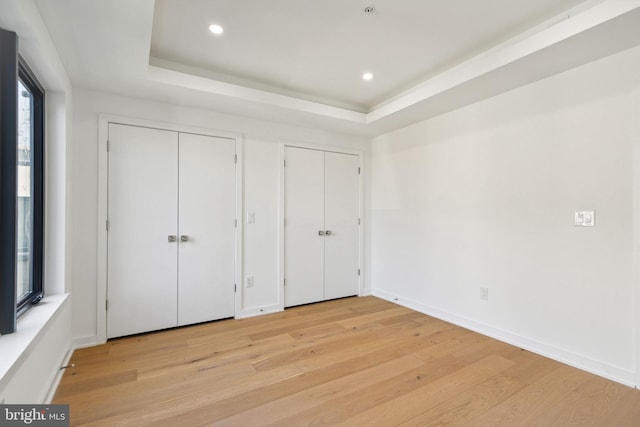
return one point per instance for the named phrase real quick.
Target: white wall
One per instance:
(261, 181)
(31, 358)
(261, 187)
(485, 197)
(58, 122)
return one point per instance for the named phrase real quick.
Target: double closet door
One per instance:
(171, 232)
(322, 225)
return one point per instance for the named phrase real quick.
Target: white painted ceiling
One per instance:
(319, 50)
(301, 61)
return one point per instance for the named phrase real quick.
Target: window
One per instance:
(29, 188)
(21, 184)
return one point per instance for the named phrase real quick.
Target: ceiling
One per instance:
(302, 61)
(318, 50)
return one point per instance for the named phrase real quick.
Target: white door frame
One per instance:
(103, 186)
(360, 153)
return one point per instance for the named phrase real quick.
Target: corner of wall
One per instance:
(635, 135)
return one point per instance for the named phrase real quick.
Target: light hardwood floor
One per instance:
(349, 362)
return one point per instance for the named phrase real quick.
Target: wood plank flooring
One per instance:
(349, 362)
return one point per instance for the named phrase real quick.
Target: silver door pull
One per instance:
(184, 238)
(171, 238)
(328, 232)
(320, 233)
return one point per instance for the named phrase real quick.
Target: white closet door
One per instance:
(304, 218)
(142, 212)
(207, 228)
(341, 222)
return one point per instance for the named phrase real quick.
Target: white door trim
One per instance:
(281, 195)
(103, 183)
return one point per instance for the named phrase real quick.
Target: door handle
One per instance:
(184, 238)
(171, 238)
(320, 233)
(328, 232)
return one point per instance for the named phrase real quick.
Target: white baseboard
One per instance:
(56, 380)
(86, 341)
(613, 373)
(365, 292)
(92, 340)
(258, 311)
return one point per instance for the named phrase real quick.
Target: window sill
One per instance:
(15, 347)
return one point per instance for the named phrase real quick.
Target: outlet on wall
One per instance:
(585, 218)
(249, 281)
(484, 294)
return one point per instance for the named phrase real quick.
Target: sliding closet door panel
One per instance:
(207, 228)
(142, 212)
(341, 221)
(304, 219)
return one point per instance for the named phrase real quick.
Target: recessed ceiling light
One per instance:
(367, 76)
(216, 29)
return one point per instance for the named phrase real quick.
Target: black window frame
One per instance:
(29, 80)
(13, 68)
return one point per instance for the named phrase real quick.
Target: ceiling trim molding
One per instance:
(506, 54)
(597, 29)
(538, 44)
(190, 81)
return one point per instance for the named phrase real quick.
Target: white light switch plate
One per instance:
(585, 218)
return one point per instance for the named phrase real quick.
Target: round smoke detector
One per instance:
(369, 10)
